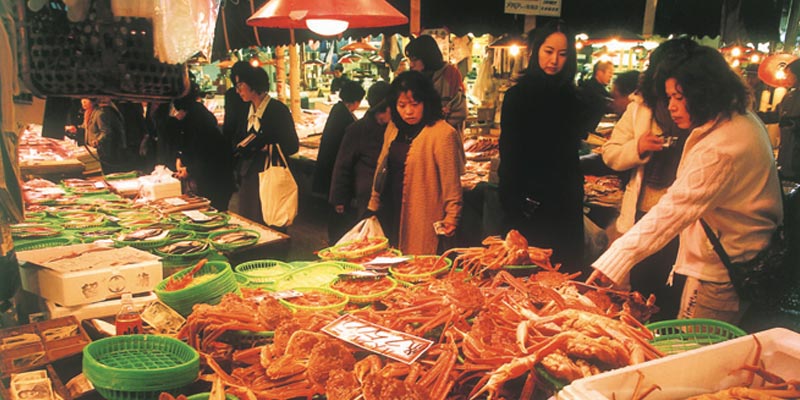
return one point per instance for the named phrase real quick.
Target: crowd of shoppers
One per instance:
(686, 137)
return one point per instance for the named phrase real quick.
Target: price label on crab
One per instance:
(175, 201)
(286, 294)
(394, 344)
(387, 260)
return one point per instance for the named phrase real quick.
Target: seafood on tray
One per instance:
(148, 234)
(236, 238)
(513, 250)
(184, 247)
(34, 230)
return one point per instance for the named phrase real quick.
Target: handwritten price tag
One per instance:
(394, 344)
(197, 216)
(362, 274)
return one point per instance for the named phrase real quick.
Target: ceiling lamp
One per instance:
(301, 14)
(327, 27)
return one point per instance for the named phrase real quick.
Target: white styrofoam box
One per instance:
(158, 188)
(703, 370)
(100, 309)
(85, 273)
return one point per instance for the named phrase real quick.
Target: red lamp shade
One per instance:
(295, 13)
(773, 70)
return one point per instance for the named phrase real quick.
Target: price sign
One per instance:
(394, 344)
(547, 8)
(175, 201)
(197, 216)
(386, 260)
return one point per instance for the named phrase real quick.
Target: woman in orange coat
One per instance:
(417, 182)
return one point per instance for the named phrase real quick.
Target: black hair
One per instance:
(711, 88)
(351, 91)
(237, 69)
(663, 59)
(535, 40)
(338, 67)
(255, 77)
(626, 82)
(425, 49)
(422, 90)
(794, 68)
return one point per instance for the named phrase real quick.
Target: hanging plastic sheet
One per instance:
(183, 28)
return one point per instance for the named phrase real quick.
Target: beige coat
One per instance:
(620, 154)
(431, 186)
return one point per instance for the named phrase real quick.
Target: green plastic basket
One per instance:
(97, 233)
(314, 275)
(42, 243)
(186, 223)
(679, 335)
(341, 251)
(209, 291)
(425, 276)
(252, 238)
(263, 273)
(338, 306)
(159, 251)
(139, 366)
(204, 396)
(47, 230)
(139, 244)
(370, 297)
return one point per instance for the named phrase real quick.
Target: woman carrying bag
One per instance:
(269, 122)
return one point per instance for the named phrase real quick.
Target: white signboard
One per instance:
(547, 8)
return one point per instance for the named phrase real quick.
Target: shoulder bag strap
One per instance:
(280, 152)
(716, 243)
(267, 162)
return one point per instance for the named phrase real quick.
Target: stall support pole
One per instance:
(791, 27)
(649, 18)
(414, 17)
(294, 78)
(280, 72)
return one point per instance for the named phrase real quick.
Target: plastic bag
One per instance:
(366, 228)
(278, 192)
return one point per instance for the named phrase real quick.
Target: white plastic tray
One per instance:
(704, 370)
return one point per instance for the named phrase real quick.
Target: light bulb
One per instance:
(327, 27)
(514, 50)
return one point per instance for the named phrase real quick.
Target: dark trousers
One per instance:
(650, 276)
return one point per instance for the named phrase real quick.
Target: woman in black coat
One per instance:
(200, 158)
(268, 122)
(541, 185)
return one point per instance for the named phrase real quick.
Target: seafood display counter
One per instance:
(40, 156)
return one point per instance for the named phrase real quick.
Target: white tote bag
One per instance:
(278, 192)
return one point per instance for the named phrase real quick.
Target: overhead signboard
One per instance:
(547, 8)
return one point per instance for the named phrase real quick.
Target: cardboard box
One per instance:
(101, 309)
(154, 189)
(87, 273)
(703, 370)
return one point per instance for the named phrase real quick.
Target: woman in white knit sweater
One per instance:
(726, 175)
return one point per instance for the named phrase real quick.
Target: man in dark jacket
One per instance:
(200, 159)
(351, 181)
(340, 118)
(595, 94)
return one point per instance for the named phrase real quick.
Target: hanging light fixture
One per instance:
(327, 18)
(327, 27)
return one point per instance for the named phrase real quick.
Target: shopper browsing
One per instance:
(726, 176)
(417, 181)
(541, 183)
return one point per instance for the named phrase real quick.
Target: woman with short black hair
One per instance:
(417, 183)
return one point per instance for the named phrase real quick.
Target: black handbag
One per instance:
(763, 279)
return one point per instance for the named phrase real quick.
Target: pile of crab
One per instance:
(496, 336)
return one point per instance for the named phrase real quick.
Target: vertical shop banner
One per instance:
(547, 8)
